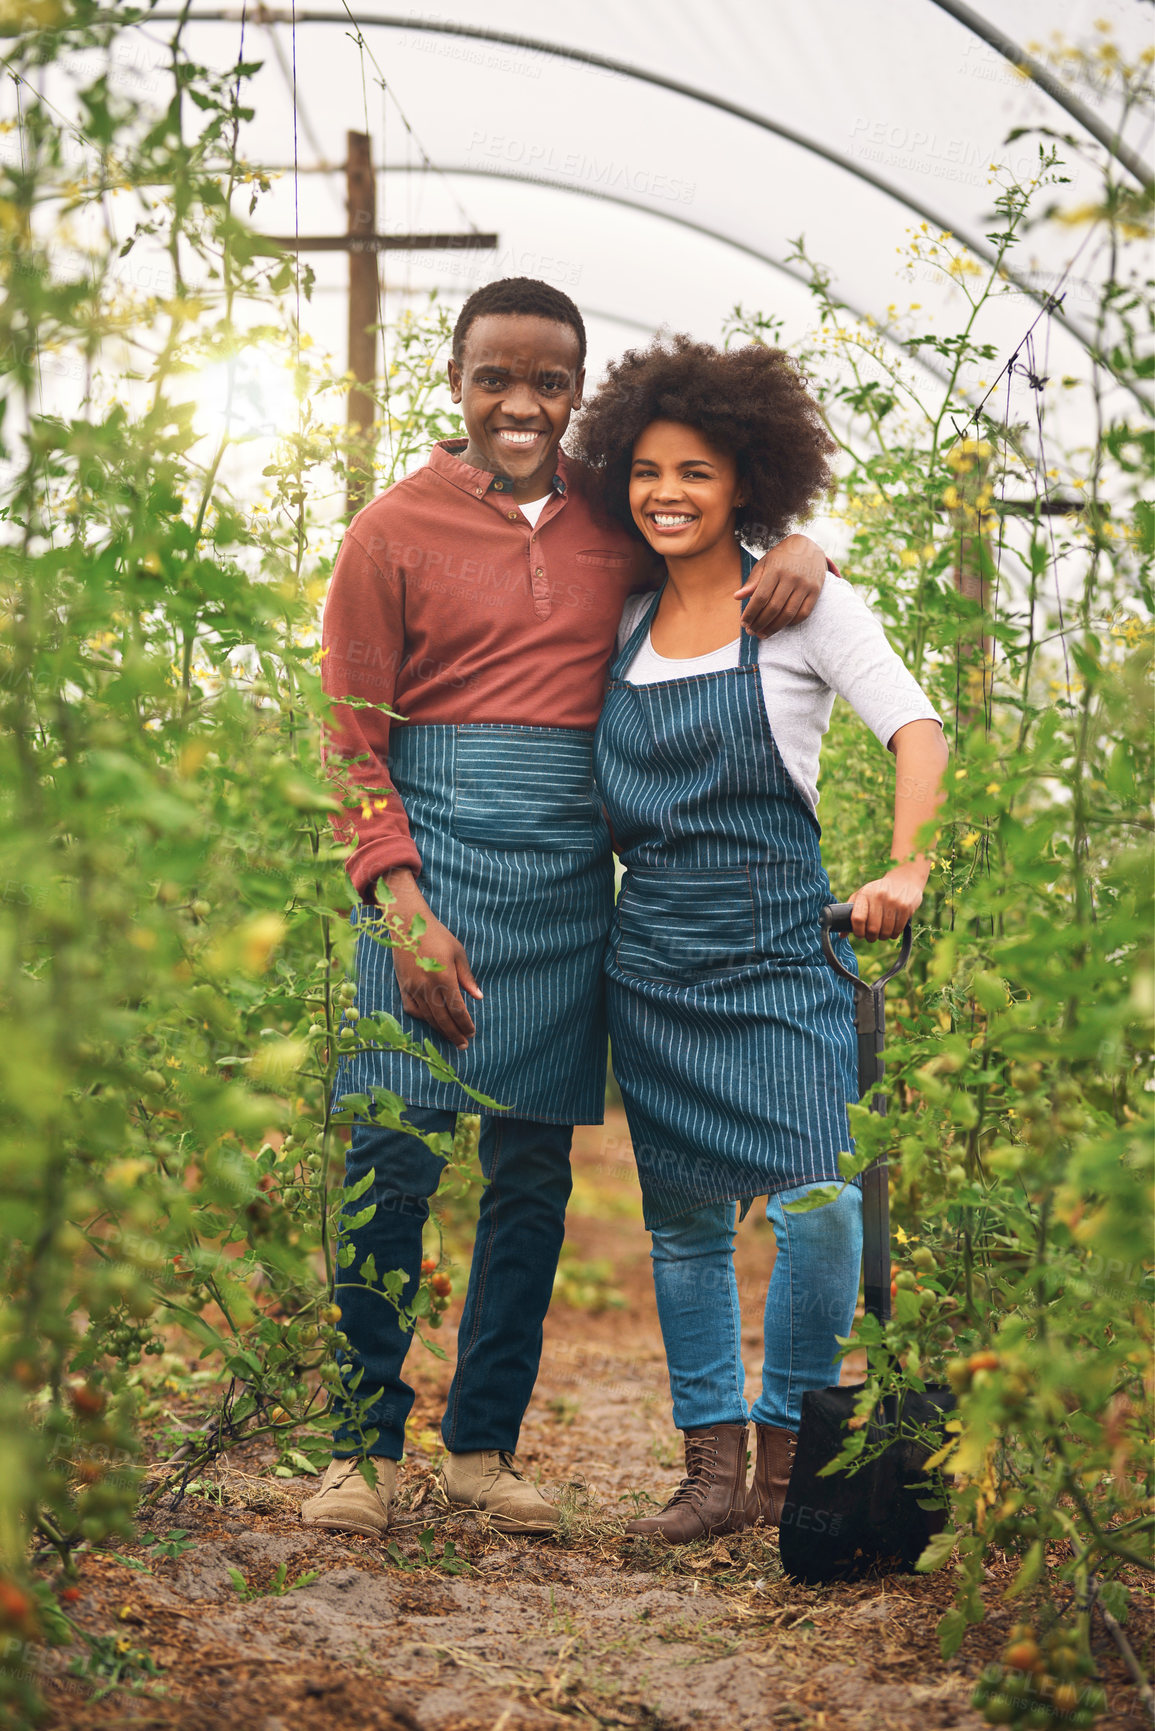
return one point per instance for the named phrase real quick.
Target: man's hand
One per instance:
(783, 586)
(881, 909)
(432, 995)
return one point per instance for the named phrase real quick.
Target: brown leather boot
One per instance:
(767, 1492)
(712, 1496)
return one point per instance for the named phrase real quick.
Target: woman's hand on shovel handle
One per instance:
(883, 908)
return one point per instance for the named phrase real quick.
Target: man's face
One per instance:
(518, 383)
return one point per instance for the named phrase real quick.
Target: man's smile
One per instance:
(520, 439)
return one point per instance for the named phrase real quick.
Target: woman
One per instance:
(733, 1040)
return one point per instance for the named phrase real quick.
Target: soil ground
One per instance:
(592, 1629)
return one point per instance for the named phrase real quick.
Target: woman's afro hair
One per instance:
(750, 402)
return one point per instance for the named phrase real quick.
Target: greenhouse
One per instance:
(543, 1177)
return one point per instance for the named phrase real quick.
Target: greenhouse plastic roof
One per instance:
(653, 208)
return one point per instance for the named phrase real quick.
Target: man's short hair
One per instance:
(523, 296)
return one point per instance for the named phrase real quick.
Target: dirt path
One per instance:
(594, 1629)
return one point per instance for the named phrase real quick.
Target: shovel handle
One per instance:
(870, 1019)
(836, 918)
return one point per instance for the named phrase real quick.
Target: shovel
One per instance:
(871, 1520)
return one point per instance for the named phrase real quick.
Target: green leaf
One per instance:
(952, 1626)
(354, 1192)
(1029, 1572)
(820, 1197)
(1116, 1598)
(354, 1222)
(938, 1552)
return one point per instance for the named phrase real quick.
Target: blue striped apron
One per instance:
(733, 1041)
(515, 860)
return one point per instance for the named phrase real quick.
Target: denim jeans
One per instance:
(519, 1238)
(811, 1299)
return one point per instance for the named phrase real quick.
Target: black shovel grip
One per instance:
(836, 919)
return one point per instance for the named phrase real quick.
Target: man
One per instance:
(479, 599)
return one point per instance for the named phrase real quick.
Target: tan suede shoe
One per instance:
(489, 1481)
(347, 1503)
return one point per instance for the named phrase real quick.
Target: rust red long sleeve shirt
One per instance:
(447, 605)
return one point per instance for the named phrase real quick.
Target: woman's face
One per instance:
(684, 492)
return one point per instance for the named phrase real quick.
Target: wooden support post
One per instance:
(363, 243)
(972, 517)
(363, 318)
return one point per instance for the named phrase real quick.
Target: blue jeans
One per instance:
(811, 1299)
(515, 1253)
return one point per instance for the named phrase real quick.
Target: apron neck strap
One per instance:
(638, 635)
(749, 644)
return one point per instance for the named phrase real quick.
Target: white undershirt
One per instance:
(532, 508)
(839, 651)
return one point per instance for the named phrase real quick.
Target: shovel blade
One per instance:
(844, 1526)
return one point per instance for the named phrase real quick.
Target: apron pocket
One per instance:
(685, 927)
(525, 787)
